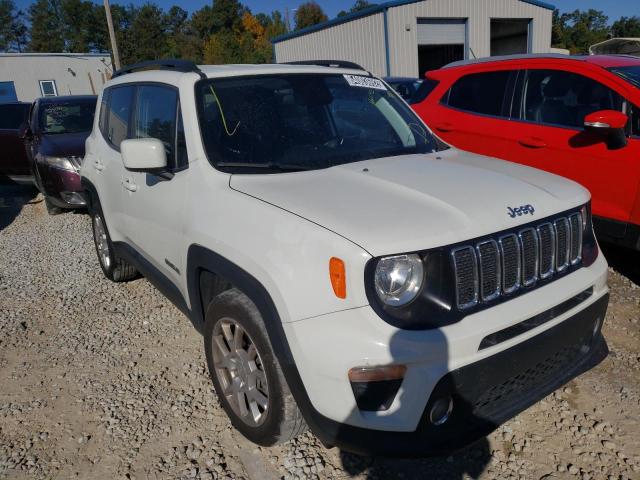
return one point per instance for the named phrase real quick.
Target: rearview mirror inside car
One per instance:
(610, 124)
(145, 155)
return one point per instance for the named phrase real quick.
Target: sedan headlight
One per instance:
(398, 279)
(63, 163)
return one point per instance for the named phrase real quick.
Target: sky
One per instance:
(613, 8)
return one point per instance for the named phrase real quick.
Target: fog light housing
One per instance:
(73, 198)
(375, 388)
(441, 410)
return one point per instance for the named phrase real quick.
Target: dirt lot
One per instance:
(103, 380)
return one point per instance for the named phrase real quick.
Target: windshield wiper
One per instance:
(266, 166)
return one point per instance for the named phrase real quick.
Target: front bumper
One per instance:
(488, 385)
(62, 187)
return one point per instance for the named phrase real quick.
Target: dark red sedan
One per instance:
(58, 129)
(576, 116)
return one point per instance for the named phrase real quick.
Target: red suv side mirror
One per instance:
(610, 124)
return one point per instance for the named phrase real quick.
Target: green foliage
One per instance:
(359, 5)
(626, 27)
(578, 30)
(13, 30)
(309, 14)
(46, 26)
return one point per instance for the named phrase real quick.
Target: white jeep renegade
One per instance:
(348, 270)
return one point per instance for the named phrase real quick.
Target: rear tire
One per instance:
(246, 373)
(114, 268)
(51, 208)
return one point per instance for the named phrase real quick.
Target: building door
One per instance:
(510, 36)
(440, 41)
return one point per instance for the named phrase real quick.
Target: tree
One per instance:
(148, 32)
(578, 30)
(13, 30)
(45, 17)
(359, 5)
(626, 27)
(309, 14)
(182, 39)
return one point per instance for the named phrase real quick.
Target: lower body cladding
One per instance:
(456, 384)
(62, 187)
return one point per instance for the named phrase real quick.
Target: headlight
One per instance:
(61, 162)
(398, 279)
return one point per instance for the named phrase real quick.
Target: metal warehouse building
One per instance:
(409, 37)
(27, 76)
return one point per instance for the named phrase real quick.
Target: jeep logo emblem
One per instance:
(519, 211)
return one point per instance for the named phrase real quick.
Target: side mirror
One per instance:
(145, 155)
(610, 124)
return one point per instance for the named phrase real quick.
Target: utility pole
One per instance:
(112, 36)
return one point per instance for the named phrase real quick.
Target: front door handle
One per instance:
(98, 165)
(129, 185)
(532, 142)
(444, 127)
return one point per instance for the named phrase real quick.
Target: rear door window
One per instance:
(560, 98)
(487, 93)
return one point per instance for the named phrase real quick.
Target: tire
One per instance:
(51, 208)
(114, 268)
(281, 420)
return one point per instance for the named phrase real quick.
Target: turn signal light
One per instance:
(377, 374)
(338, 277)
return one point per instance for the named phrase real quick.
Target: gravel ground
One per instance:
(103, 380)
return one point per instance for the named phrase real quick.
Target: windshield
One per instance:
(69, 117)
(630, 74)
(305, 122)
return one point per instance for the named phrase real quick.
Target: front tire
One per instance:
(246, 374)
(114, 268)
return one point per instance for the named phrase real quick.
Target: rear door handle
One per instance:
(444, 127)
(532, 142)
(98, 165)
(129, 185)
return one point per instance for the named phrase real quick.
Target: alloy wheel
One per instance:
(100, 235)
(240, 372)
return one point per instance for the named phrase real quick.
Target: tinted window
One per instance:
(119, 114)
(564, 98)
(67, 117)
(303, 122)
(13, 116)
(156, 115)
(480, 93)
(424, 90)
(630, 74)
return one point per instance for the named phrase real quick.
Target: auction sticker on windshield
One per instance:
(364, 82)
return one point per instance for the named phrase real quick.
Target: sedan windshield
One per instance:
(630, 74)
(69, 117)
(305, 122)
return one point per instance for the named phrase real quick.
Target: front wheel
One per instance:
(246, 374)
(114, 268)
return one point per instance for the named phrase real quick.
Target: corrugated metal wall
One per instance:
(403, 43)
(360, 41)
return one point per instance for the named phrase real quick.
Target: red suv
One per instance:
(575, 116)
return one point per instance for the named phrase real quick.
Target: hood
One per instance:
(415, 202)
(63, 144)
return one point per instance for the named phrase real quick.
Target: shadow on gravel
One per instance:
(623, 260)
(12, 198)
(461, 425)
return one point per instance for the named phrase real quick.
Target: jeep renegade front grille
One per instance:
(498, 267)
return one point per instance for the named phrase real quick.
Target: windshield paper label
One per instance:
(364, 82)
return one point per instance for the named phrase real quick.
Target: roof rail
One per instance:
(328, 63)
(169, 64)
